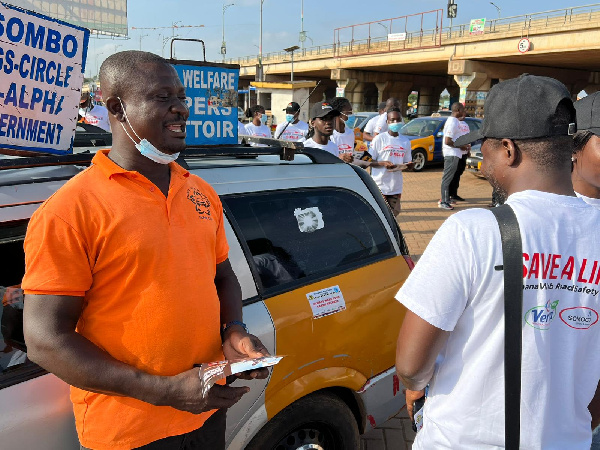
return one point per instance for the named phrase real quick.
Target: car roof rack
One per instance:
(284, 149)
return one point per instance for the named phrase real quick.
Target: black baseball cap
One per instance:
(588, 113)
(523, 108)
(323, 109)
(292, 108)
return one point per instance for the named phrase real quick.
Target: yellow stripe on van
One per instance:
(342, 349)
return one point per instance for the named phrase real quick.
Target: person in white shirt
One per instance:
(96, 115)
(391, 154)
(257, 125)
(343, 136)
(370, 126)
(454, 127)
(382, 125)
(586, 157)
(293, 129)
(241, 131)
(452, 336)
(321, 128)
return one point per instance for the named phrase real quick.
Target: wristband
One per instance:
(232, 323)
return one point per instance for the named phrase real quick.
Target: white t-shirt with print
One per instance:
(294, 132)
(454, 128)
(396, 149)
(97, 116)
(381, 125)
(589, 200)
(370, 126)
(330, 147)
(344, 141)
(261, 131)
(561, 361)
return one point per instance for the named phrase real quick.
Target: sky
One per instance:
(281, 23)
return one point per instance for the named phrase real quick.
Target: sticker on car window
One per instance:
(325, 302)
(309, 219)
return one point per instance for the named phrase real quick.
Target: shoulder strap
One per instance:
(512, 254)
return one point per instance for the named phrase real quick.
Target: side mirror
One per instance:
(439, 134)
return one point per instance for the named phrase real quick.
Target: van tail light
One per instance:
(409, 261)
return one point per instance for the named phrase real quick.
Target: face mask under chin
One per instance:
(145, 147)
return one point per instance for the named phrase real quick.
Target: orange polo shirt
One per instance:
(145, 265)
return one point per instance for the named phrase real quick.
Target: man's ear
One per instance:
(511, 152)
(115, 108)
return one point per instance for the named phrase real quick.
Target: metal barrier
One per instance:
(435, 36)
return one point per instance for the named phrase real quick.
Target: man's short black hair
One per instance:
(551, 152)
(456, 106)
(120, 73)
(338, 103)
(394, 109)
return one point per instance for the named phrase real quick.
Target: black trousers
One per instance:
(211, 436)
(462, 164)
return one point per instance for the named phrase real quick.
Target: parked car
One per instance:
(87, 135)
(323, 222)
(426, 135)
(474, 161)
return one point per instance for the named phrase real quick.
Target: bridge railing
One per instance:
(579, 16)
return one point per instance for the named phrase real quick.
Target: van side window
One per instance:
(305, 234)
(13, 353)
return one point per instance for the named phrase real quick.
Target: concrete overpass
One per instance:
(564, 44)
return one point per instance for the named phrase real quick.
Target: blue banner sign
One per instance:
(211, 95)
(42, 62)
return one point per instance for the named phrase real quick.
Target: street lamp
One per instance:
(223, 45)
(291, 51)
(97, 56)
(141, 37)
(497, 8)
(117, 47)
(387, 31)
(260, 44)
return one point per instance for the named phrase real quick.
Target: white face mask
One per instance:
(145, 147)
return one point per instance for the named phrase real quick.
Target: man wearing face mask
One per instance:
(293, 129)
(391, 154)
(128, 283)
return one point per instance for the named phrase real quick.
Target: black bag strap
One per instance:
(512, 254)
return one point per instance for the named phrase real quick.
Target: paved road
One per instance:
(419, 220)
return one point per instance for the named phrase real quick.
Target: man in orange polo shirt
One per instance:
(127, 281)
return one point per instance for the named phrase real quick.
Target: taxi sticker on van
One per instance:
(309, 219)
(325, 302)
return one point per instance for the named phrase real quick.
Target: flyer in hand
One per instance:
(212, 372)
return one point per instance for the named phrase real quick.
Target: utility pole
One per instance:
(141, 37)
(302, 33)
(260, 43)
(291, 51)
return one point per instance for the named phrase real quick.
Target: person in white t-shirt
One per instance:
(382, 123)
(241, 131)
(321, 128)
(586, 157)
(452, 337)
(586, 167)
(293, 129)
(370, 126)
(96, 115)
(391, 154)
(257, 125)
(454, 127)
(343, 136)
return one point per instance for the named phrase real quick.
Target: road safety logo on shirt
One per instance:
(345, 149)
(201, 203)
(394, 150)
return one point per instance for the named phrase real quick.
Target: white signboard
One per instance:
(396, 37)
(326, 301)
(42, 62)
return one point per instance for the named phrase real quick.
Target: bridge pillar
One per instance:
(381, 88)
(354, 92)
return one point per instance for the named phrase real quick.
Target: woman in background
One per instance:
(258, 124)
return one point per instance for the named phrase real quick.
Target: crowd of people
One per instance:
(129, 211)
